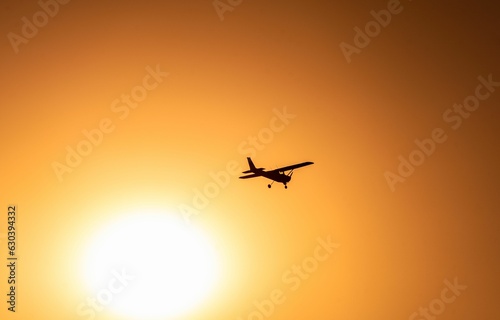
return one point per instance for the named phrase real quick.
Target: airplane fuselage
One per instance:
(276, 176)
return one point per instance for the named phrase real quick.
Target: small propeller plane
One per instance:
(277, 175)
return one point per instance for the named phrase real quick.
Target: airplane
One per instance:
(277, 175)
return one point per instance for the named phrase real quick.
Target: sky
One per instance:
(112, 109)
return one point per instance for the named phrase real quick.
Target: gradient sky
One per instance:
(226, 81)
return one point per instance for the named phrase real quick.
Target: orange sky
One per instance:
(268, 80)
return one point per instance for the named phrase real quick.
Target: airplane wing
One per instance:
(294, 166)
(251, 176)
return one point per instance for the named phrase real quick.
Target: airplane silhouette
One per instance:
(277, 175)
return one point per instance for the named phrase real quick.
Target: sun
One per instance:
(149, 265)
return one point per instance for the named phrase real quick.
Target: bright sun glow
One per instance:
(149, 265)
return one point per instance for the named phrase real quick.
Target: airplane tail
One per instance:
(251, 165)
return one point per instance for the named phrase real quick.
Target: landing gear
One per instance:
(269, 185)
(289, 175)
